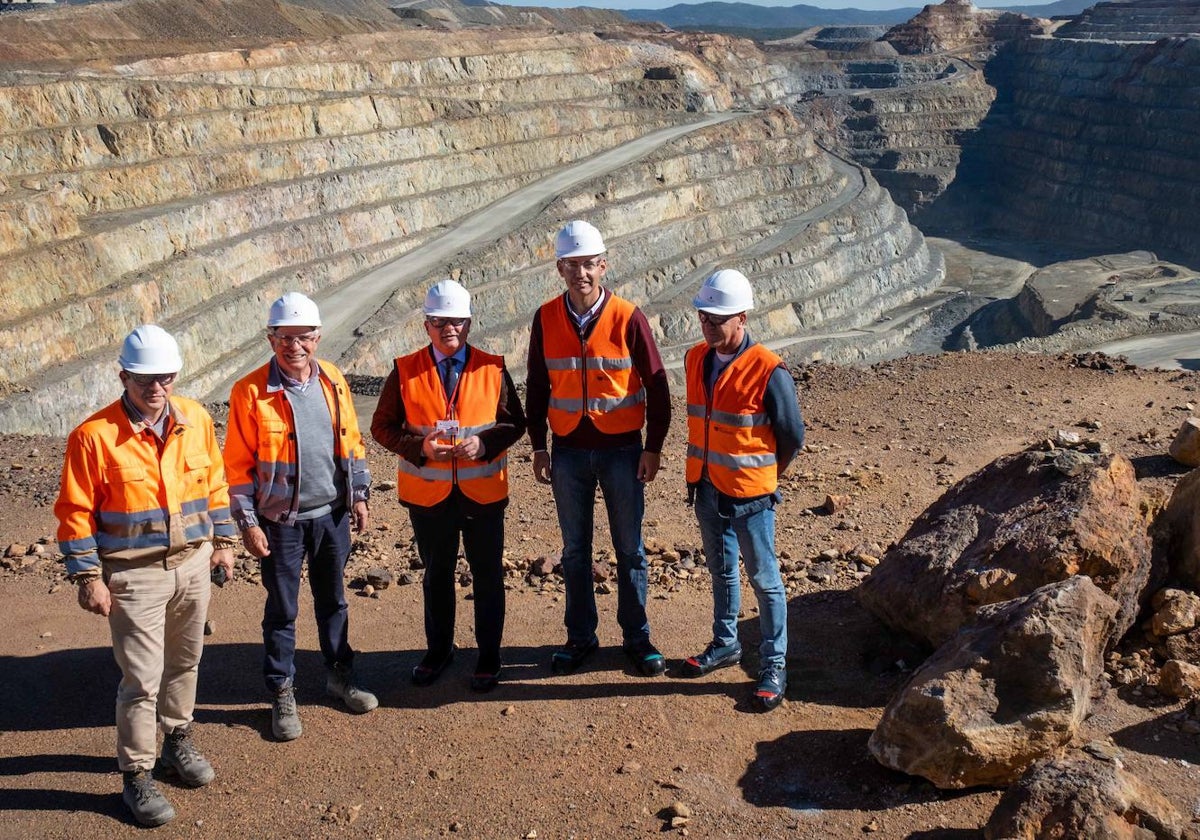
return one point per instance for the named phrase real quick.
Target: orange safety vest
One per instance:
(595, 375)
(730, 433)
(476, 400)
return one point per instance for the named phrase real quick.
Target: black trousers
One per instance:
(482, 534)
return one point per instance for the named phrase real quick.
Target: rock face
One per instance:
(1091, 142)
(191, 189)
(1181, 529)
(1024, 521)
(958, 25)
(1135, 20)
(1004, 692)
(1082, 796)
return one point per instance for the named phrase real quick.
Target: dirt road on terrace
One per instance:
(601, 753)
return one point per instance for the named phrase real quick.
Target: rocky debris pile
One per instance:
(956, 25)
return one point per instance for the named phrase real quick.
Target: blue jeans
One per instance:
(755, 534)
(326, 542)
(574, 476)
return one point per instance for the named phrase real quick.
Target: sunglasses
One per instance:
(714, 320)
(145, 380)
(438, 323)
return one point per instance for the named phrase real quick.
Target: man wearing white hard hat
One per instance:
(744, 428)
(298, 477)
(143, 516)
(450, 411)
(595, 379)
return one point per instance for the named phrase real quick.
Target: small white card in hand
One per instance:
(447, 430)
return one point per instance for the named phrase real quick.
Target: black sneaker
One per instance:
(646, 658)
(569, 657)
(431, 667)
(714, 656)
(772, 683)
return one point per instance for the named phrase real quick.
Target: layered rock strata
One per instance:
(1135, 20)
(1091, 143)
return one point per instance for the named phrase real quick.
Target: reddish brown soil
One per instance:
(602, 753)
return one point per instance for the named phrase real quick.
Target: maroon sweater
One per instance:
(646, 361)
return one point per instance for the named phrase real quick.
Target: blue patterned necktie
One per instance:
(449, 375)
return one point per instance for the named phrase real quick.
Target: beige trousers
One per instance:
(157, 623)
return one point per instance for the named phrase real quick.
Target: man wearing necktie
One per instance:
(450, 411)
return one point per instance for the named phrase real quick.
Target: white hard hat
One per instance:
(294, 310)
(578, 239)
(448, 299)
(725, 292)
(150, 349)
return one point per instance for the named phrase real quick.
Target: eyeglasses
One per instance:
(305, 339)
(438, 323)
(583, 265)
(145, 380)
(715, 320)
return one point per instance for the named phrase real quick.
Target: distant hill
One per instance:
(743, 16)
(748, 15)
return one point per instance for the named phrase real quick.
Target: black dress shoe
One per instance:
(485, 681)
(569, 657)
(431, 667)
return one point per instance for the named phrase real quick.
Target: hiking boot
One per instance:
(646, 658)
(714, 656)
(144, 800)
(569, 657)
(285, 720)
(340, 684)
(772, 683)
(181, 758)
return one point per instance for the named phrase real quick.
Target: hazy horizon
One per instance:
(865, 5)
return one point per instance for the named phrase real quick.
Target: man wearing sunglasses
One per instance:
(298, 477)
(143, 516)
(744, 428)
(595, 378)
(450, 411)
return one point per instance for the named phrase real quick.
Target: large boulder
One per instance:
(1004, 692)
(1181, 529)
(1079, 795)
(1021, 522)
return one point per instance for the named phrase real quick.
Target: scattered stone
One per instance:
(368, 590)
(406, 579)
(629, 768)
(508, 711)
(834, 503)
(1179, 679)
(15, 550)
(603, 589)
(379, 577)
(1175, 611)
(1185, 448)
(678, 809)
(543, 566)
(210, 627)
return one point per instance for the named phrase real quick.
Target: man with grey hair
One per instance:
(298, 476)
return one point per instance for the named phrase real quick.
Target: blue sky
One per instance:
(824, 4)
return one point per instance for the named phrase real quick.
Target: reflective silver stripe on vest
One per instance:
(427, 473)
(605, 363)
(565, 363)
(607, 404)
(746, 420)
(467, 431)
(733, 462)
(728, 418)
(446, 474)
(570, 406)
(590, 363)
(483, 470)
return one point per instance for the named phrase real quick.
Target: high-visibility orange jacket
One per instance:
(121, 499)
(729, 432)
(595, 375)
(476, 400)
(261, 452)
